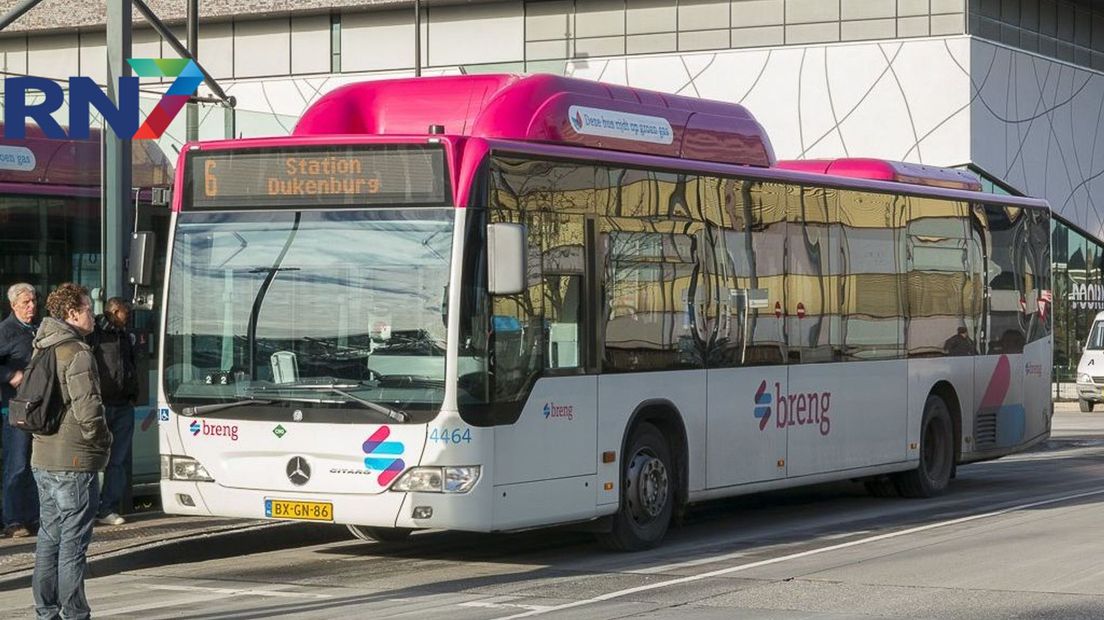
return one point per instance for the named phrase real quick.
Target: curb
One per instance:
(195, 547)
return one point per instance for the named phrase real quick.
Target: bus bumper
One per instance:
(468, 511)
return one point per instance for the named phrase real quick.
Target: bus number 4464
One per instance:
(456, 435)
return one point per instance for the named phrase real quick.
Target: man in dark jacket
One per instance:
(113, 347)
(16, 334)
(65, 464)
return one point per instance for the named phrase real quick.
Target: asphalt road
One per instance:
(1014, 538)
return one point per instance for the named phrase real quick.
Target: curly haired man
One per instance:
(65, 464)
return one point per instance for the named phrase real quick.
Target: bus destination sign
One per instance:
(355, 176)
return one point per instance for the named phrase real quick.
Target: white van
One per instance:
(1090, 370)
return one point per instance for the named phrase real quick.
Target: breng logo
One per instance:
(803, 409)
(762, 405)
(552, 410)
(230, 431)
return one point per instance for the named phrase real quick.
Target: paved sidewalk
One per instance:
(140, 531)
(1069, 422)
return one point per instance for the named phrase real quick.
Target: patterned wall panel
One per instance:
(1038, 124)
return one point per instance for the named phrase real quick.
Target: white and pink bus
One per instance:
(497, 302)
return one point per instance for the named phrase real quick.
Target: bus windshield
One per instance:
(344, 310)
(1096, 337)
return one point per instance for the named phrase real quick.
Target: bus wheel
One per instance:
(1086, 406)
(380, 534)
(936, 453)
(647, 493)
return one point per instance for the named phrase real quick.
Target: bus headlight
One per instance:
(1084, 379)
(438, 479)
(183, 468)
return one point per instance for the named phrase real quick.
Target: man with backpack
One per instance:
(16, 334)
(113, 347)
(65, 463)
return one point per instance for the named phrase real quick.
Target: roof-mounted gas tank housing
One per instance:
(885, 170)
(545, 108)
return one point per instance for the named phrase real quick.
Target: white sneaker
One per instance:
(111, 519)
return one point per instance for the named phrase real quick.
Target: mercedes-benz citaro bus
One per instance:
(496, 302)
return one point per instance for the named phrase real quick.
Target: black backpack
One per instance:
(38, 405)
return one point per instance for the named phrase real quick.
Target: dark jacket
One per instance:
(15, 352)
(115, 359)
(83, 441)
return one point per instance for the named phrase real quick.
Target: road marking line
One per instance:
(844, 535)
(176, 602)
(237, 591)
(210, 595)
(687, 564)
(500, 605)
(803, 554)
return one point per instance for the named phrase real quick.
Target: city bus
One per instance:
(51, 232)
(495, 302)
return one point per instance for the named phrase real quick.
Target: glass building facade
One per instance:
(1078, 293)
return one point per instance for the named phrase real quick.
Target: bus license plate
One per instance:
(303, 511)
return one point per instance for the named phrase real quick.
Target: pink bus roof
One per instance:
(37, 163)
(545, 108)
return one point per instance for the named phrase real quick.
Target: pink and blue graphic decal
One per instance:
(1010, 417)
(383, 455)
(762, 405)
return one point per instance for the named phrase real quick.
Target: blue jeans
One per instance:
(69, 501)
(120, 419)
(20, 496)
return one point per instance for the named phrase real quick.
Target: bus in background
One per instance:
(497, 302)
(50, 232)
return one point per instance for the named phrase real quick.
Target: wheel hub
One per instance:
(647, 483)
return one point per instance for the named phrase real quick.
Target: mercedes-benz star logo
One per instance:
(298, 471)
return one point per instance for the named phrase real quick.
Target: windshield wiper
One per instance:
(251, 400)
(339, 389)
(213, 407)
(409, 381)
(398, 416)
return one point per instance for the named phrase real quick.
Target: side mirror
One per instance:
(140, 264)
(506, 253)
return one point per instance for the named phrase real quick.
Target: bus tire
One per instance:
(380, 534)
(937, 450)
(1086, 406)
(647, 493)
